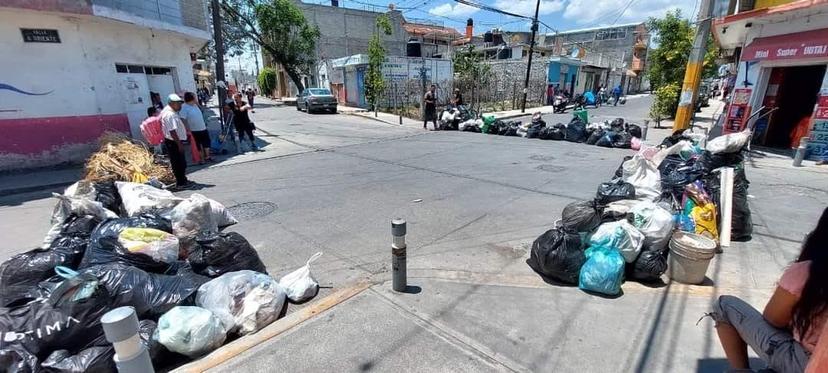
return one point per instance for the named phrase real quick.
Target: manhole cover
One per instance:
(550, 168)
(295, 124)
(252, 210)
(542, 158)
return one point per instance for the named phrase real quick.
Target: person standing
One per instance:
(457, 98)
(250, 95)
(616, 94)
(430, 107)
(174, 134)
(241, 120)
(194, 119)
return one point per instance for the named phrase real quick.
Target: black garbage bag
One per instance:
(576, 131)
(535, 129)
(595, 136)
(146, 328)
(104, 247)
(614, 191)
(107, 195)
(674, 138)
(15, 359)
(709, 161)
(623, 140)
(617, 125)
(676, 173)
(607, 140)
(619, 172)
(741, 228)
(649, 266)
(494, 129)
(502, 128)
(583, 216)
(513, 127)
(557, 256)
(226, 252)
(634, 130)
(69, 319)
(151, 294)
(95, 359)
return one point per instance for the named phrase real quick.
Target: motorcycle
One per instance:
(580, 102)
(559, 104)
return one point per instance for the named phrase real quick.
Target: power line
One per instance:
(623, 10)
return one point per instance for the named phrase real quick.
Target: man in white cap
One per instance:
(174, 134)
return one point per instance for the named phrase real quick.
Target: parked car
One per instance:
(315, 99)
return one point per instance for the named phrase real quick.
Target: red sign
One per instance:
(821, 113)
(808, 44)
(823, 101)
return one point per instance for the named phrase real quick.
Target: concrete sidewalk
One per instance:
(388, 118)
(509, 114)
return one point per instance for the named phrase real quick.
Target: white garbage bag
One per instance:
(644, 176)
(193, 218)
(141, 198)
(67, 206)
(654, 222)
(159, 245)
(81, 189)
(300, 284)
(730, 143)
(620, 235)
(222, 216)
(245, 301)
(191, 331)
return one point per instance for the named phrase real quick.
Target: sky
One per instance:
(562, 15)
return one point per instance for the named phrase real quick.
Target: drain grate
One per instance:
(550, 168)
(543, 158)
(251, 210)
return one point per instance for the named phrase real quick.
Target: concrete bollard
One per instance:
(121, 329)
(800, 152)
(398, 260)
(645, 129)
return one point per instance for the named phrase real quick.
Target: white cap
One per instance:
(174, 98)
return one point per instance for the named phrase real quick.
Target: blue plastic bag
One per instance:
(603, 271)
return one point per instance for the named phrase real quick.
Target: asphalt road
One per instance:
(474, 203)
(636, 110)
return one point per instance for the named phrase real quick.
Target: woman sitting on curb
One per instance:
(785, 333)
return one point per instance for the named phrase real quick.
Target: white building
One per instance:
(75, 69)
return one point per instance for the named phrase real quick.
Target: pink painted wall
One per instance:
(34, 136)
(64, 6)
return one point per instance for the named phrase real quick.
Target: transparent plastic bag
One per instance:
(654, 222)
(192, 219)
(619, 235)
(244, 301)
(644, 176)
(730, 143)
(190, 331)
(157, 244)
(142, 198)
(68, 206)
(300, 284)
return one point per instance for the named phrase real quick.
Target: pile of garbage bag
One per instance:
(623, 233)
(192, 285)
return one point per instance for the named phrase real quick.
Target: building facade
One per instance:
(780, 90)
(81, 68)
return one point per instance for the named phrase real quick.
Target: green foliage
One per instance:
(710, 68)
(668, 61)
(374, 80)
(267, 80)
(472, 73)
(280, 28)
(666, 102)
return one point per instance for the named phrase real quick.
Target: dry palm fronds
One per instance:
(119, 159)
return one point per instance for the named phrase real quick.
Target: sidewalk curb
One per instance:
(239, 346)
(33, 188)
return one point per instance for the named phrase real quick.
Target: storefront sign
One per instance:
(741, 96)
(36, 35)
(808, 44)
(821, 113)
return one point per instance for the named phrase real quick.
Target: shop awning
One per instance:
(800, 45)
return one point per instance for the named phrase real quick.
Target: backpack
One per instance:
(151, 129)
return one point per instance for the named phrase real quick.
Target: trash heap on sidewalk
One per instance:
(113, 244)
(661, 206)
(121, 159)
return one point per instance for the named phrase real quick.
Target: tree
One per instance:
(374, 80)
(472, 72)
(665, 103)
(280, 28)
(267, 81)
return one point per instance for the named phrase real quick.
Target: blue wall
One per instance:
(554, 74)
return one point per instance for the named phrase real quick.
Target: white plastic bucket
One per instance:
(690, 256)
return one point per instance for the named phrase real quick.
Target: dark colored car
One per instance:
(316, 99)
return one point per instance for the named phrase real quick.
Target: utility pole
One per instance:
(222, 90)
(256, 57)
(531, 52)
(692, 76)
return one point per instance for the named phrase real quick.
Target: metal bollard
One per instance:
(800, 152)
(398, 265)
(121, 329)
(646, 128)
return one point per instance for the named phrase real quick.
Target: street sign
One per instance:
(37, 35)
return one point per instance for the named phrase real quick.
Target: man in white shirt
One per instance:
(192, 116)
(174, 134)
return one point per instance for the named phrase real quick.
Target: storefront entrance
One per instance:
(795, 97)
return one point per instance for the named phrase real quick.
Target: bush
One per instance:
(665, 103)
(267, 81)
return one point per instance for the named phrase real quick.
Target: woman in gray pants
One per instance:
(785, 333)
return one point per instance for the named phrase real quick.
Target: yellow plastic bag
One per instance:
(159, 245)
(705, 218)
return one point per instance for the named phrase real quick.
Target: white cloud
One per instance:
(605, 12)
(456, 10)
(527, 7)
